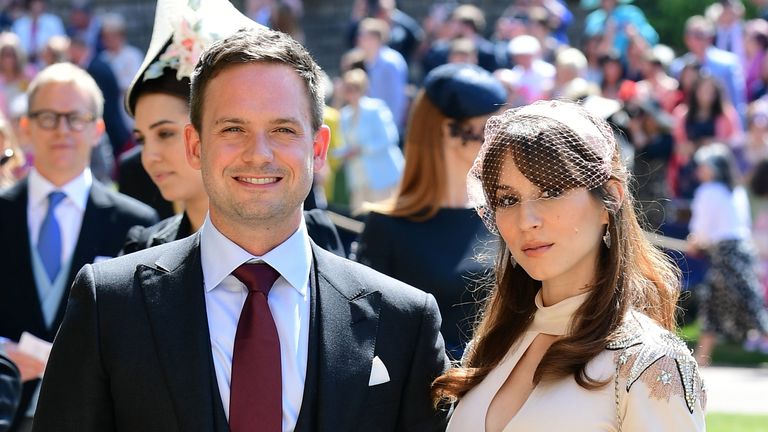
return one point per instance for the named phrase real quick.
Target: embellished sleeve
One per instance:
(658, 384)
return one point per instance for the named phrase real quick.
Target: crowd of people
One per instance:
(503, 179)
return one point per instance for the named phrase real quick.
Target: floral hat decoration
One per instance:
(183, 29)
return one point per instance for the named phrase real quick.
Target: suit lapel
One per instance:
(307, 421)
(347, 320)
(174, 298)
(92, 231)
(16, 236)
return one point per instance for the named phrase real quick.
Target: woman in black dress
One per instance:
(428, 235)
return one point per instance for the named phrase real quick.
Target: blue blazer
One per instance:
(376, 133)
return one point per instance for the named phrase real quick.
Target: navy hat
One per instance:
(463, 90)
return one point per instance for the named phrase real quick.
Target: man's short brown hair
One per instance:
(257, 46)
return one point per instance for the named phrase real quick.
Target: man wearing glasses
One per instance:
(57, 219)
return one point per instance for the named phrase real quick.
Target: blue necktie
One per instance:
(49, 240)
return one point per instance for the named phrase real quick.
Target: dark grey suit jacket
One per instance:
(108, 217)
(134, 351)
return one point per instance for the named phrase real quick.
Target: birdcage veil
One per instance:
(556, 145)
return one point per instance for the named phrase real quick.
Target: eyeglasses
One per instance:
(697, 34)
(49, 120)
(6, 156)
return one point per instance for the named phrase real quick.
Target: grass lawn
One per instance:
(730, 354)
(718, 422)
(726, 353)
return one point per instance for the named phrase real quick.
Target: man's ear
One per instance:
(24, 124)
(192, 146)
(99, 132)
(320, 147)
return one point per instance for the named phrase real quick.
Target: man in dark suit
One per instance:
(59, 218)
(247, 324)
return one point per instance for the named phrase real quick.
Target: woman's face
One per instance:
(612, 71)
(705, 93)
(160, 121)
(351, 93)
(554, 235)
(687, 77)
(751, 46)
(8, 60)
(704, 173)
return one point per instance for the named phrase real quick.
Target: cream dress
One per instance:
(658, 386)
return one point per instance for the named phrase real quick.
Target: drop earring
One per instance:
(607, 236)
(512, 261)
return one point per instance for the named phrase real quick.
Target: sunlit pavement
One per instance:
(736, 390)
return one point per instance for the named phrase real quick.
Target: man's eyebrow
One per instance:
(286, 120)
(235, 120)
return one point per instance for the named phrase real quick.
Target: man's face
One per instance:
(256, 148)
(61, 152)
(697, 40)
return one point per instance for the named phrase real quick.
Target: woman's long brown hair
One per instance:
(423, 185)
(631, 274)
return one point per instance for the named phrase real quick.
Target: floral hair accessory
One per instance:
(183, 29)
(187, 43)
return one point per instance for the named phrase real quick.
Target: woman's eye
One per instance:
(166, 134)
(508, 201)
(139, 139)
(551, 193)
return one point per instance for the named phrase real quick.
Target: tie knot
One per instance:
(54, 198)
(257, 277)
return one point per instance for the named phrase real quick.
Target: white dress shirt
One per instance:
(288, 300)
(69, 213)
(718, 214)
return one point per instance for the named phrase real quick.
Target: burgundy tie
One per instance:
(256, 402)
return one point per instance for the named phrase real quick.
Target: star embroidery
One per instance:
(665, 378)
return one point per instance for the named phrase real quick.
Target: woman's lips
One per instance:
(159, 177)
(536, 250)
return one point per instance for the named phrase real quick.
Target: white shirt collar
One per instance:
(220, 256)
(76, 189)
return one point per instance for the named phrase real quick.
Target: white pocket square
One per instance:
(379, 373)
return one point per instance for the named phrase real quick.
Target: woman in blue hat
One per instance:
(428, 235)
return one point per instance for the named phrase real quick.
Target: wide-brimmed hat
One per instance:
(182, 30)
(462, 90)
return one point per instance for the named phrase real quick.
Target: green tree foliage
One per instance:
(668, 17)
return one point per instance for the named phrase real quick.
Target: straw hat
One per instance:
(182, 30)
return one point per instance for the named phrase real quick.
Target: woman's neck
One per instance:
(196, 210)
(553, 294)
(456, 171)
